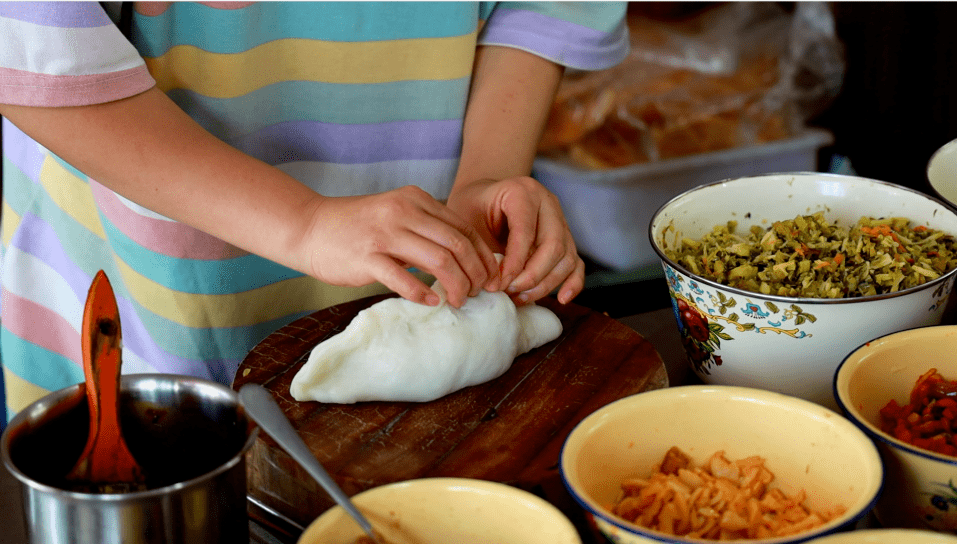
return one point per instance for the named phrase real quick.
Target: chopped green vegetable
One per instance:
(809, 257)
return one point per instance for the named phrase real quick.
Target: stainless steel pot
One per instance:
(189, 435)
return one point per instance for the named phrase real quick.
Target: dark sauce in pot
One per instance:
(171, 444)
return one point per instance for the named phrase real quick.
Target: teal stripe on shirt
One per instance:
(89, 253)
(218, 277)
(37, 365)
(19, 199)
(208, 343)
(326, 102)
(234, 31)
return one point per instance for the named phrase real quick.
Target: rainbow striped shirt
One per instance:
(349, 98)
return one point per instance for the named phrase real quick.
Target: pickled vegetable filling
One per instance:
(810, 257)
(929, 420)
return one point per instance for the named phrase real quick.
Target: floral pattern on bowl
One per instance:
(940, 512)
(699, 313)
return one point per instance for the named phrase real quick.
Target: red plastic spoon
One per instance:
(106, 464)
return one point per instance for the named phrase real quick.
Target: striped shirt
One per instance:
(349, 98)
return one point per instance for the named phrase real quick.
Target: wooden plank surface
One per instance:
(509, 429)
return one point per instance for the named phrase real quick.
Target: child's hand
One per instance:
(358, 240)
(522, 216)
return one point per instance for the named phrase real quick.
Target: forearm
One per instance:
(512, 92)
(148, 150)
(511, 96)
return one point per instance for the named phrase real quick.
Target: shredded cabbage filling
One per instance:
(810, 257)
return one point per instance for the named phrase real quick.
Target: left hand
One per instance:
(521, 219)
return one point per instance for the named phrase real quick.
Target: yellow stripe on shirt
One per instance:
(230, 75)
(9, 220)
(286, 297)
(71, 194)
(20, 393)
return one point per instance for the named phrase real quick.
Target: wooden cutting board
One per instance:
(509, 430)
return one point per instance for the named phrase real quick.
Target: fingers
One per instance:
(394, 276)
(540, 253)
(355, 241)
(434, 258)
(544, 273)
(439, 242)
(462, 242)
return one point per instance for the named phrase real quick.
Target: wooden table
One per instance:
(508, 430)
(655, 327)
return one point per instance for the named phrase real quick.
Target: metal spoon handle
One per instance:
(261, 406)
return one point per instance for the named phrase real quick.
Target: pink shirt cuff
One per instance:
(30, 89)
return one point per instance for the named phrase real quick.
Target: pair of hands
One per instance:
(364, 239)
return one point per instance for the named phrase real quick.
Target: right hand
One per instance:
(355, 241)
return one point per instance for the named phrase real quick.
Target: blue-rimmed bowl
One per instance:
(887, 536)
(921, 489)
(805, 445)
(788, 344)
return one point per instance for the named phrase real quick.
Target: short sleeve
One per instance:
(580, 35)
(65, 54)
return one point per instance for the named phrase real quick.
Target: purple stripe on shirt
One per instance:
(57, 14)
(561, 41)
(37, 238)
(22, 151)
(354, 144)
(138, 340)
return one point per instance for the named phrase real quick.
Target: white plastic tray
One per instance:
(609, 211)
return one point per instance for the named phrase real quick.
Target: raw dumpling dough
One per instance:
(397, 350)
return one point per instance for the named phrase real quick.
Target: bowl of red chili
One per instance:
(901, 389)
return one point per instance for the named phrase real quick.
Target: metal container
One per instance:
(189, 435)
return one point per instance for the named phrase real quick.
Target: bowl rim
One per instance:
(947, 148)
(77, 391)
(949, 275)
(450, 483)
(935, 537)
(866, 426)
(727, 391)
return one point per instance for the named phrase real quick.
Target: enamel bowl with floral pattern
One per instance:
(790, 345)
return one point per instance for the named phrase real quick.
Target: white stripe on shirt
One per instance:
(65, 51)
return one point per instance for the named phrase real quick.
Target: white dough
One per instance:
(397, 350)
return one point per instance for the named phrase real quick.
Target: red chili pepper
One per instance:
(928, 421)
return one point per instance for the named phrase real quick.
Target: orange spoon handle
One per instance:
(106, 457)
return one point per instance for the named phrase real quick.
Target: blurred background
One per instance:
(878, 78)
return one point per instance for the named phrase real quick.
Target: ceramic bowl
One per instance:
(805, 445)
(887, 536)
(784, 344)
(942, 172)
(445, 510)
(921, 489)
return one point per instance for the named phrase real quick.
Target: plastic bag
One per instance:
(733, 75)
